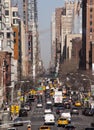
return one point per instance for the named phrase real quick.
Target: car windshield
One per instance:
(62, 119)
(44, 127)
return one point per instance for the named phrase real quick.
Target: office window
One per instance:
(6, 12)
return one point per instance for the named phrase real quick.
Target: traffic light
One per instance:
(17, 109)
(12, 109)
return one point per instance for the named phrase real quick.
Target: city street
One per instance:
(36, 118)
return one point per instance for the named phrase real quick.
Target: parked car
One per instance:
(18, 121)
(49, 118)
(23, 113)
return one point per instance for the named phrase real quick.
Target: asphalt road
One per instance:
(36, 117)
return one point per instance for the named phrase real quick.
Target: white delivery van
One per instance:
(49, 119)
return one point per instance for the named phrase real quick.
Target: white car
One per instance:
(49, 119)
(12, 128)
(47, 110)
(39, 105)
(49, 102)
(27, 107)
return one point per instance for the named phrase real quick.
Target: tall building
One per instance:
(53, 42)
(7, 44)
(28, 13)
(58, 14)
(67, 24)
(30, 19)
(77, 18)
(88, 34)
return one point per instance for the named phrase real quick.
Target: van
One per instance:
(49, 119)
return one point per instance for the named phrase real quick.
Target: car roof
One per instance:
(12, 128)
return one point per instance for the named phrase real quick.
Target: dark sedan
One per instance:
(75, 110)
(23, 113)
(70, 127)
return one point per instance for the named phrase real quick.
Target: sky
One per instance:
(45, 10)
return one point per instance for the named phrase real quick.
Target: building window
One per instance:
(91, 9)
(90, 30)
(7, 20)
(0, 18)
(8, 35)
(15, 21)
(90, 23)
(14, 34)
(14, 41)
(6, 5)
(90, 16)
(15, 14)
(90, 42)
(6, 12)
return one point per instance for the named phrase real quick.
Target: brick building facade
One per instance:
(5, 74)
(88, 33)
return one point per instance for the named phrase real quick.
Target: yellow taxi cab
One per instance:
(61, 121)
(78, 104)
(64, 96)
(44, 128)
